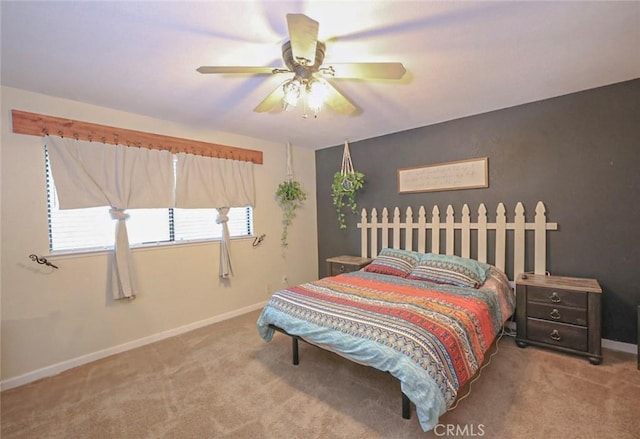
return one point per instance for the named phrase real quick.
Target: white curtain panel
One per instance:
(205, 182)
(91, 174)
(225, 269)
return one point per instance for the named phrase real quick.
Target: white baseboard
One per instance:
(620, 346)
(55, 369)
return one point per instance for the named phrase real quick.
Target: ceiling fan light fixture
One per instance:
(317, 91)
(291, 90)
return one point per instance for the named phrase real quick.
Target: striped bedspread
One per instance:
(432, 337)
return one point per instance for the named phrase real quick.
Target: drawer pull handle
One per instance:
(342, 269)
(554, 297)
(555, 314)
(555, 335)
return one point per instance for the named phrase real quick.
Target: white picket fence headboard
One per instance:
(429, 232)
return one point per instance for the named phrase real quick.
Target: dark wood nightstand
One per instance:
(559, 312)
(346, 264)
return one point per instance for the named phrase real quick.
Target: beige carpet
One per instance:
(223, 381)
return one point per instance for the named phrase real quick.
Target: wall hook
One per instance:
(258, 240)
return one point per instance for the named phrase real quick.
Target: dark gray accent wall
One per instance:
(579, 154)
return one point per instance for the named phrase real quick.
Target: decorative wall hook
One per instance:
(258, 240)
(42, 261)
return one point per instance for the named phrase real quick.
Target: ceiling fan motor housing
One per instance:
(301, 67)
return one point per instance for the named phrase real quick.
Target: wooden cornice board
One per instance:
(42, 125)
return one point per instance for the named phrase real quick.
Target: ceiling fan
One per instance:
(303, 56)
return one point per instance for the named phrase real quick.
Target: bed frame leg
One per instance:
(406, 410)
(294, 349)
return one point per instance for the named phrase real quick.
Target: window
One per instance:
(93, 228)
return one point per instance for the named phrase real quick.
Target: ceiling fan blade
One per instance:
(337, 101)
(369, 70)
(303, 34)
(236, 70)
(274, 98)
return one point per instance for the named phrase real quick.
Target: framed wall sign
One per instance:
(462, 174)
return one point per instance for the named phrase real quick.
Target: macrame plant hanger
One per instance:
(347, 165)
(289, 163)
(290, 195)
(345, 185)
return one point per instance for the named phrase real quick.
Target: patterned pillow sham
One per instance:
(450, 269)
(394, 262)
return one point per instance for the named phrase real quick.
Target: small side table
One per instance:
(559, 312)
(346, 264)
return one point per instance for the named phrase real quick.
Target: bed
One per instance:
(428, 319)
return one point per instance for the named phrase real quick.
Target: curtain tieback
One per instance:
(222, 218)
(118, 214)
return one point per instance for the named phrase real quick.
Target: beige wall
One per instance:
(53, 319)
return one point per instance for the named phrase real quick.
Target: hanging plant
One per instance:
(343, 191)
(346, 184)
(290, 196)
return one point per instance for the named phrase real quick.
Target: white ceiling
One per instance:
(462, 58)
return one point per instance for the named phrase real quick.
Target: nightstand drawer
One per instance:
(556, 296)
(557, 313)
(337, 269)
(557, 334)
(346, 264)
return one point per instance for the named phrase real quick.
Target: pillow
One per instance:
(394, 262)
(450, 269)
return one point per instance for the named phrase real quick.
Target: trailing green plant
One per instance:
(343, 191)
(290, 195)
